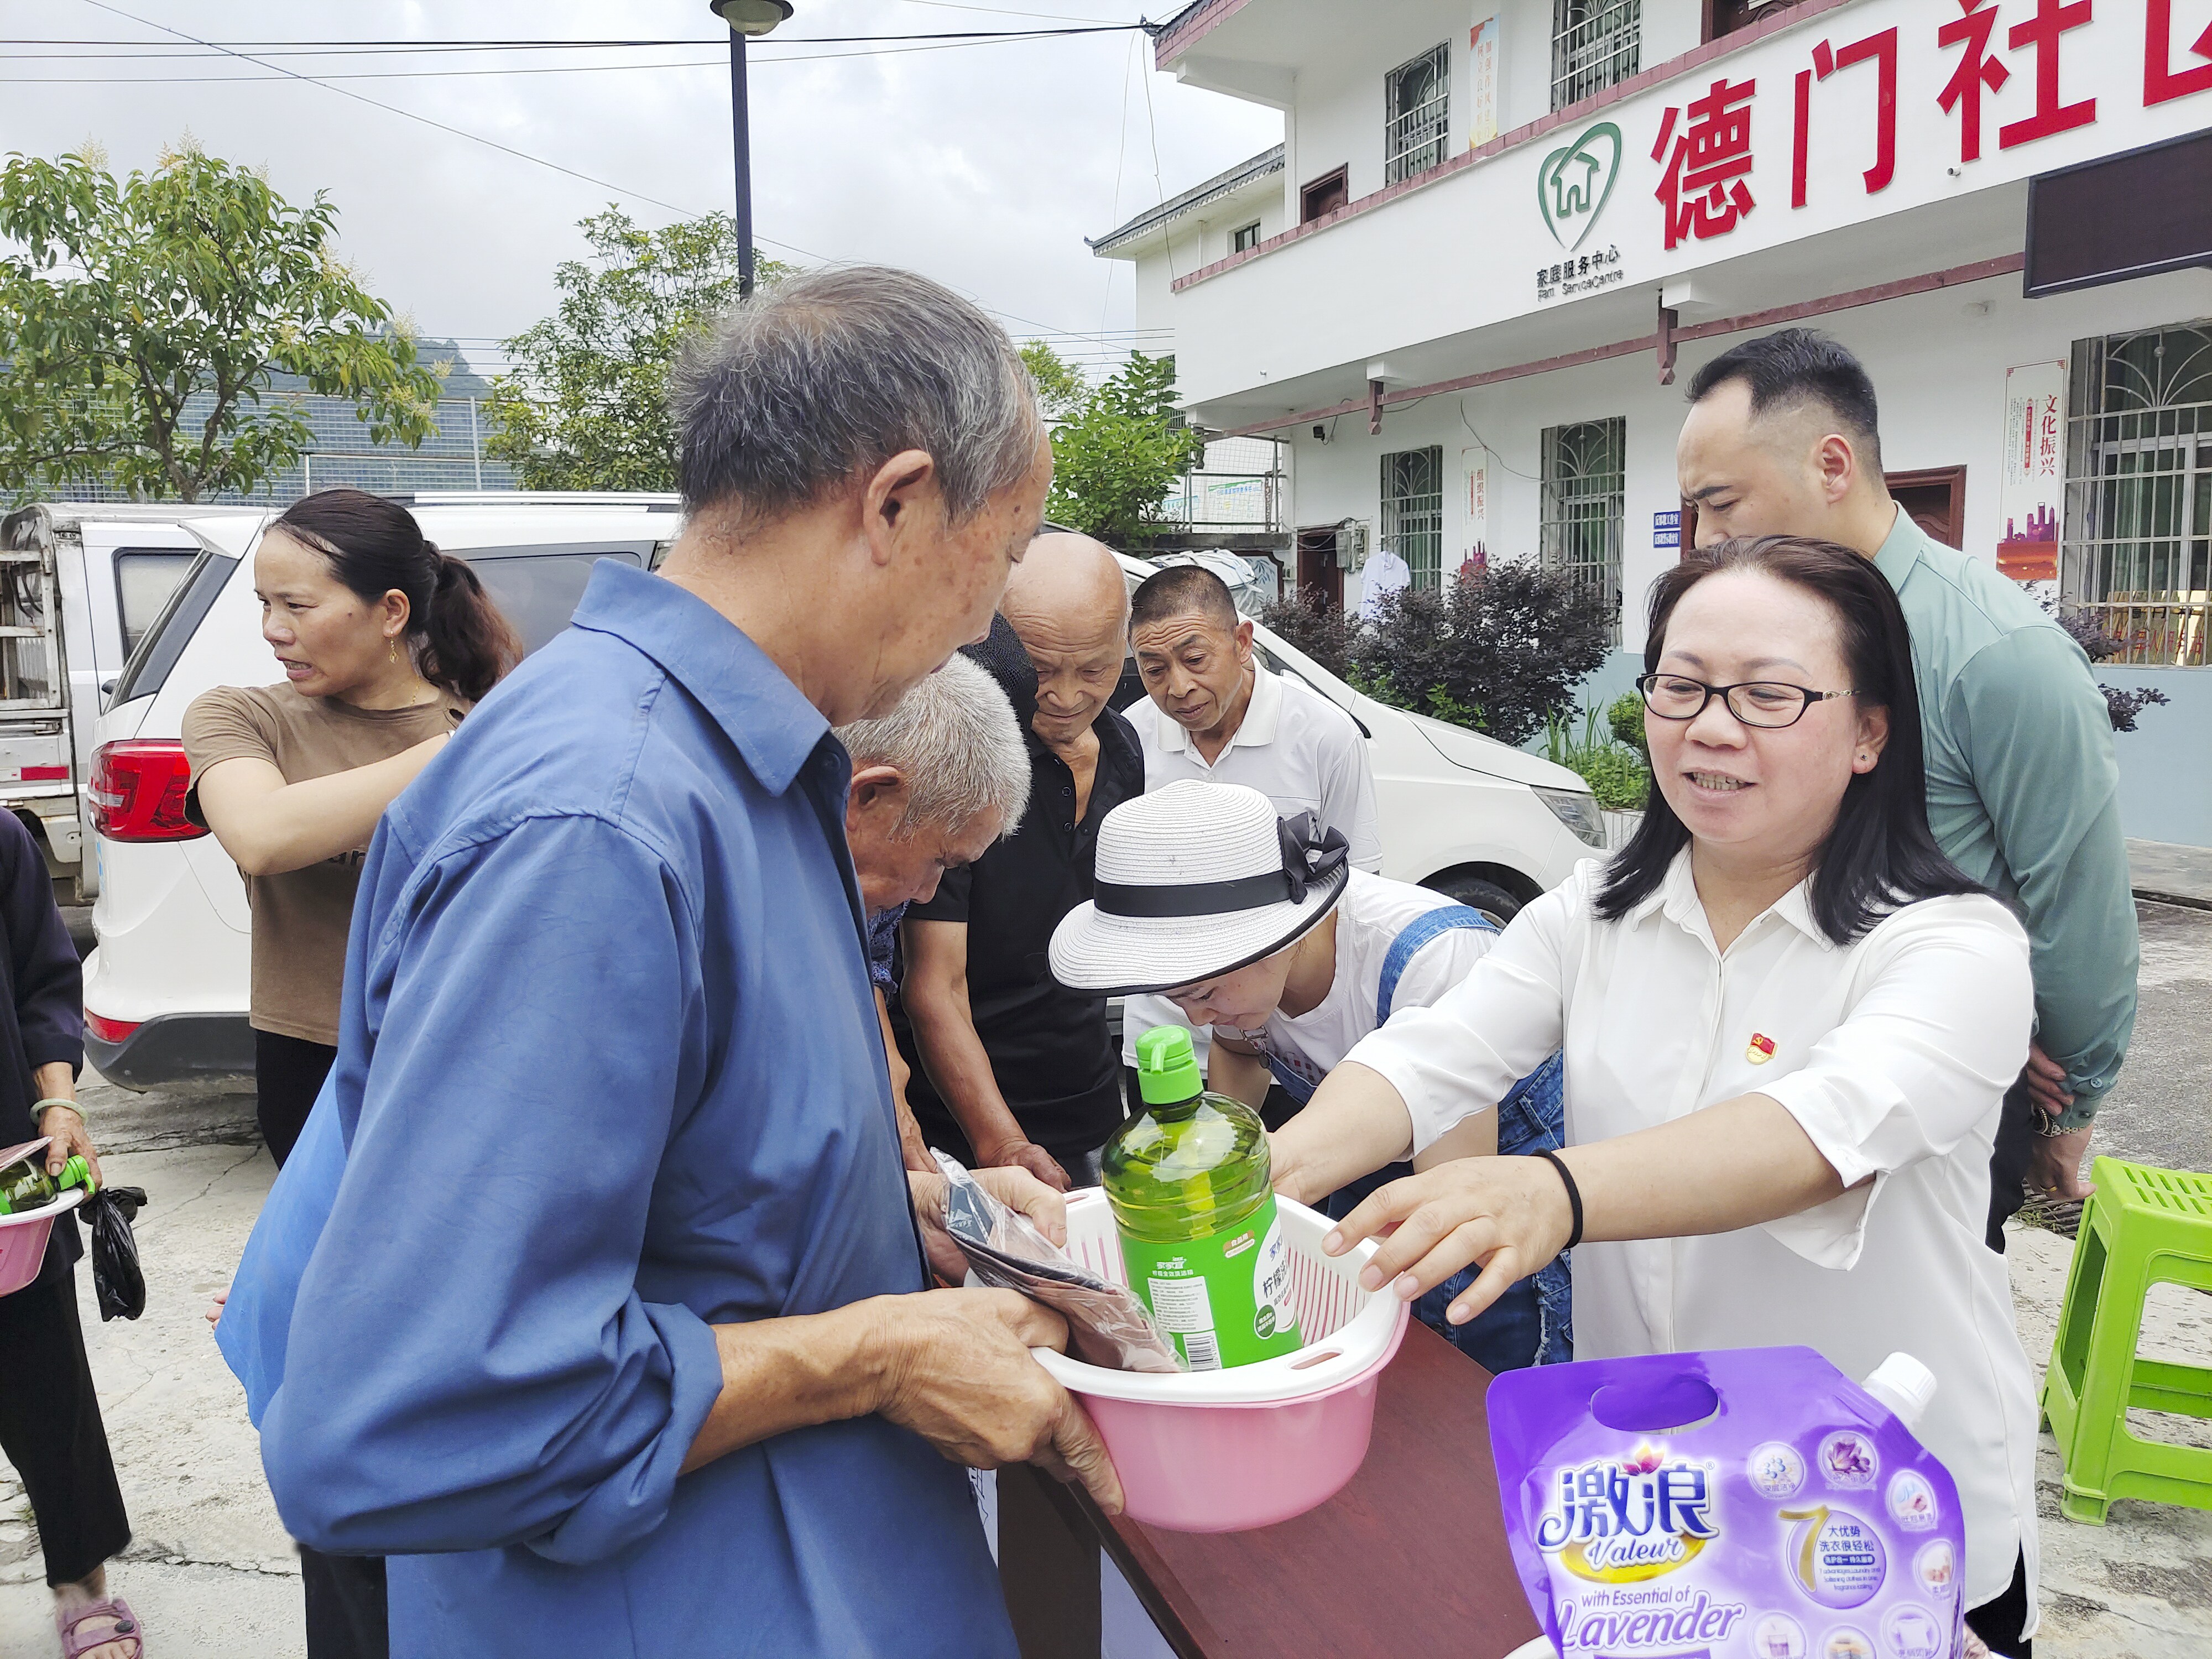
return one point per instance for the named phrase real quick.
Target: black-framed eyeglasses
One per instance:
(1769, 704)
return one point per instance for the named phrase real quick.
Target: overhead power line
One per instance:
(296, 48)
(540, 160)
(278, 72)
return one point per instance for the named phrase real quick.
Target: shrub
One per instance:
(1619, 775)
(1304, 618)
(2089, 633)
(1626, 716)
(1497, 650)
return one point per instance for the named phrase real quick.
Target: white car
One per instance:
(1490, 824)
(166, 991)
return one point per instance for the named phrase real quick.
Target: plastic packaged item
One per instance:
(1106, 1325)
(117, 1280)
(1741, 1503)
(1189, 1178)
(1226, 1450)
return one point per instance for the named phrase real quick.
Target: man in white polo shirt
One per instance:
(1214, 712)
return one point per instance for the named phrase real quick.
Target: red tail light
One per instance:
(137, 791)
(109, 1030)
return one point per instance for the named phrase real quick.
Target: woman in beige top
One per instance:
(385, 643)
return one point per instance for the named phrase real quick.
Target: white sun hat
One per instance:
(1193, 880)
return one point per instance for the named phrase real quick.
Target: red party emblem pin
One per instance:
(1761, 1048)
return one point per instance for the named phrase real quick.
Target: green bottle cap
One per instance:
(1167, 1066)
(76, 1173)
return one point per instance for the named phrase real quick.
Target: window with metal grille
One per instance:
(1595, 44)
(2136, 548)
(1585, 505)
(1413, 510)
(1418, 109)
(1244, 236)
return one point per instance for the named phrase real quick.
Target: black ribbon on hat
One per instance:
(1313, 853)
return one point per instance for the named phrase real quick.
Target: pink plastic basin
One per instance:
(23, 1240)
(1229, 1468)
(1227, 1450)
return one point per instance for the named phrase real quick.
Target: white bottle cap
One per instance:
(1905, 1385)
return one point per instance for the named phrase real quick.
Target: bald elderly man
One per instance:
(1011, 1067)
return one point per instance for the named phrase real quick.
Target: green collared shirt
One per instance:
(2023, 792)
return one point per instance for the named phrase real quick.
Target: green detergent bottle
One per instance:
(24, 1184)
(1188, 1181)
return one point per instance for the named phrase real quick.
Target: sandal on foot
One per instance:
(124, 1629)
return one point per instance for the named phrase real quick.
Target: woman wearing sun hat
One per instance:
(1260, 929)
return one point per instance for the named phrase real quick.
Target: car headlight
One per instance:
(1578, 810)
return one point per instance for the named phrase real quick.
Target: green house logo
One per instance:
(1575, 181)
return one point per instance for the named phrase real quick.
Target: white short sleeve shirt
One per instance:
(1294, 746)
(1892, 1052)
(1373, 912)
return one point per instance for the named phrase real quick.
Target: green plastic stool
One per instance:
(2143, 1226)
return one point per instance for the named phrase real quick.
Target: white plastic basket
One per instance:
(1348, 1331)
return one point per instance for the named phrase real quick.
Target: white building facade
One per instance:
(1500, 237)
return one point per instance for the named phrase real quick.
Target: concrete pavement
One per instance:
(213, 1575)
(2171, 874)
(209, 1569)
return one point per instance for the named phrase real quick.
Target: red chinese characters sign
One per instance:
(2161, 79)
(1882, 49)
(1847, 94)
(1704, 190)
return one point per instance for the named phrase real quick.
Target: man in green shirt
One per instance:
(2022, 785)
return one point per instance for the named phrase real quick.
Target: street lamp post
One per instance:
(745, 18)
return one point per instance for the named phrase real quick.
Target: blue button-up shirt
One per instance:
(609, 1074)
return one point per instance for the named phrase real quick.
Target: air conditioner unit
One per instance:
(1351, 539)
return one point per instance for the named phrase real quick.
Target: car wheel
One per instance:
(1479, 893)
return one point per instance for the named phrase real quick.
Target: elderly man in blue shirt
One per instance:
(616, 1339)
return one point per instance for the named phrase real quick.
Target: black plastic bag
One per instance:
(116, 1277)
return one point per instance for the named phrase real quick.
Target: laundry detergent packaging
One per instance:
(1743, 1504)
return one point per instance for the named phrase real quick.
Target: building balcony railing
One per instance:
(2170, 630)
(1227, 501)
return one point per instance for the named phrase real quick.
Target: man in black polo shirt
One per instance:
(1010, 1067)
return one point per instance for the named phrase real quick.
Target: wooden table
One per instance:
(1409, 1558)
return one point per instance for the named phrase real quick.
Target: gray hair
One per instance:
(832, 372)
(955, 739)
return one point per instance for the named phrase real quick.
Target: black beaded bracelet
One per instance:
(1574, 1197)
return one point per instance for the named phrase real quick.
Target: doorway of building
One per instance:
(1935, 496)
(1324, 195)
(1936, 499)
(1318, 570)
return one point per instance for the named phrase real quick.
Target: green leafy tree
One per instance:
(143, 322)
(587, 405)
(1061, 388)
(1114, 460)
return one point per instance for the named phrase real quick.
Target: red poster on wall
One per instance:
(2031, 488)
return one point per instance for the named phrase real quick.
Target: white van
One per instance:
(166, 991)
(79, 584)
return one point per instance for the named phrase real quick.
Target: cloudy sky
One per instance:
(984, 165)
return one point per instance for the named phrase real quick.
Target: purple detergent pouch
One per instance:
(1741, 1503)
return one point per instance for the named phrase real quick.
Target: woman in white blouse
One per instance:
(1786, 1023)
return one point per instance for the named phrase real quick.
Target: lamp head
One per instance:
(750, 16)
